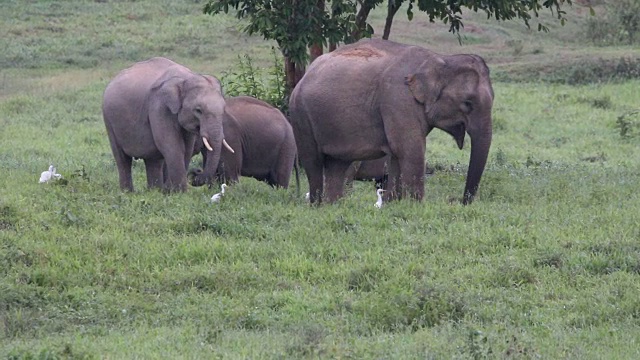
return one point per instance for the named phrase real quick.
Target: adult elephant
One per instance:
(375, 98)
(262, 138)
(154, 110)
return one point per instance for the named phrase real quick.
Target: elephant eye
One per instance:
(467, 106)
(198, 111)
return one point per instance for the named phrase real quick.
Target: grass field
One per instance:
(544, 264)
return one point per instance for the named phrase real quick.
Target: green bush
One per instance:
(629, 124)
(266, 84)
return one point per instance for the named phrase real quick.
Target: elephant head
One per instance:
(199, 105)
(457, 96)
(210, 161)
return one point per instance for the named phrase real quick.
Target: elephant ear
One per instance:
(425, 84)
(215, 82)
(169, 92)
(424, 88)
(417, 84)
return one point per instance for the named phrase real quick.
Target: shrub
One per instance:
(629, 124)
(266, 84)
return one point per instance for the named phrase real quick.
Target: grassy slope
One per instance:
(545, 263)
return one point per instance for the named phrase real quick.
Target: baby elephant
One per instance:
(262, 138)
(373, 170)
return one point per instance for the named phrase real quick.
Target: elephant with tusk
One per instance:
(264, 143)
(377, 98)
(206, 144)
(155, 110)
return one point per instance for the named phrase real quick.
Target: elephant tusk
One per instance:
(224, 142)
(206, 144)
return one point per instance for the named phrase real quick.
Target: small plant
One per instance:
(629, 124)
(500, 157)
(599, 102)
(252, 81)
(66, 353)
(8, 216)
(478, 346)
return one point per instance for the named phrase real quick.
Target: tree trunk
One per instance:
(391, 12)
(316, 50)
(361, 21)
(293, 73)
(290, 74)
(300, 70)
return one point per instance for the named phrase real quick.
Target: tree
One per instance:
(303, 26)
(295, 25)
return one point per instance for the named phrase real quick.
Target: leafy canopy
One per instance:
(298, 24)
(293, 24)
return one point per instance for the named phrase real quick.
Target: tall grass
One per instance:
(544, 264)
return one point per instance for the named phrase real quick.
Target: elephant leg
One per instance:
(189, 143)
(177, 177)
(279, 180)
(381, 182)
(230, 167)
(124, 163)
(281, 174)
(351, 174)
(271, 181)
(315, 175)
(172, 146)
(165, 172)
(155, 169)
(412, 175)
(392, 186)
(335, 171)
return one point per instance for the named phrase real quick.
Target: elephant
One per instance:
(155, 110)
(262, 138)
(373, 170)
(367, 170)
(377, 98)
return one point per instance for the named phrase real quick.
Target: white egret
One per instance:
(49, 174)
(378, 203)
(218, 196)
(307, 196)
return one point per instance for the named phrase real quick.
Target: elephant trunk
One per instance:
(480, 144)
(212, 138)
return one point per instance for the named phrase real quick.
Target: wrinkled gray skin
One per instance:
(155, 110)
(375, 98)
(263, 143)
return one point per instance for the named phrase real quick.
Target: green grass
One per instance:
(544, 264)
